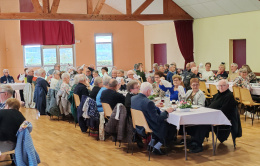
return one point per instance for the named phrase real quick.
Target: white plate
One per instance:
(195, 106)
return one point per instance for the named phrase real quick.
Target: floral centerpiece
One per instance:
(211, 78)
(185, 105)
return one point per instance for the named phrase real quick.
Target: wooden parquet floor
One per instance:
(59, 143)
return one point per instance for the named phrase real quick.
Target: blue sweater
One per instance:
(98, 100)
(174, 94)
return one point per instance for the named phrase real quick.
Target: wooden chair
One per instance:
(204, 89)
(139, 120)
(107, 110)
(77, 102)
(236, 94)
(246, 100)
(213, 90)
(11, 153)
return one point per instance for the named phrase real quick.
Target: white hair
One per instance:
(97, 81)
(82, 77)
(145, 86)
(106, 80)
(40, 71)
(76, 79)
(194, 69)
(65, 75)
(130, 72)
(225, 80)
(234, 64)
(7, 88)
(5, 70)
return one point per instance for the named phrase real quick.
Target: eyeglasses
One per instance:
(194, 84)
(221, 85)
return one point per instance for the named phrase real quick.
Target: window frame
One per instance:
(112, 47)
(57, 47)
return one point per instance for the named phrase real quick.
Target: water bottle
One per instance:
(167, 99)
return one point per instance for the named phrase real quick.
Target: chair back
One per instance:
(236, 93)
(139, 120)
(213, 89)
(76, 99)
(203, 88)
(107, 109)
(246, 96)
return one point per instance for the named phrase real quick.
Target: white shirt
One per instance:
(207, 74)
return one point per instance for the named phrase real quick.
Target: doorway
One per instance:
(238, 52)
(159, 54)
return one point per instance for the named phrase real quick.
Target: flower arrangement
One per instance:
(185, 104)
(211, 78)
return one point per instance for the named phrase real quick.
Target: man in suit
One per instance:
(154, 117)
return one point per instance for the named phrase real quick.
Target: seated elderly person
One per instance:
(82, 87)
(106, 80)
(104, 71)
(154, 117)
(30, 75)
(65, 86)
(130, 77)
(114, 73)
(251, 75)
(6, 92)
(221, 74)
(56, 67)
(156, 89)
(207, 73)
(6, 78)
(41, 91)
(55, 79)
(196, 96)
(140, 72)
(151, 79)
(171, 72)
(120, 78)
(95, 75)
(111, 96)
(10, 121)
(234, 72)
(89, 75)
(98, 84)
(80, 70)
(133, 89)
(189, 76)
(177, 91)
(242, 80)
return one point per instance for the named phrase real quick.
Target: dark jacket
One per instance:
(141, 74)
(10, 121)
(186, 80)
(40, 95)
(52, 107)
(119, 128)
(224, 75)
(80, 90)
(94, 92)
(128, 103)
(112, 98)
(9, 78)
(152, 114)
(226, 103)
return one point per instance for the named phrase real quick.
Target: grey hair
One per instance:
(82, 77)
(155, 65)
(193, 69)
(130, 71)
(65, 75)
(113, 83)
(7, 88)
(95, 71)
(5, 70)
(130, 85)
(76, 79)
(40, 71)
(241, 70)
(172, 65)
(106, 80)
(145, 86)
(56, 72)
(121, 71)
(234, 64)
(97, 81)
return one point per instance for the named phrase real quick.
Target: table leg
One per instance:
(185, 143)
(213, 144)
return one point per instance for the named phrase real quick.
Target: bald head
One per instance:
(113, 84)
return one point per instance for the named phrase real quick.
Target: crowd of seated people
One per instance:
(85, 80)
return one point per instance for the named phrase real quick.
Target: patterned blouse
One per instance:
(157, 90)
(240, 82)
(65, 87)
(251, 76)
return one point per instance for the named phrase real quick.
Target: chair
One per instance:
(11, 153)
(139, 120)
(204, 89)
(236, 94)
(246, 100)
(213, 90)
(77, 103)
(107, 110)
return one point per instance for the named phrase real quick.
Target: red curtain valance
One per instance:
(47, 32)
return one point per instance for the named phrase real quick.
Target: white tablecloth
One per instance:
(254, 91)
(17, 86)
(200, 116)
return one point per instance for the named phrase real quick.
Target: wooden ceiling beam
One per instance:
(143, 7)
(99, 6)
(171, 8)
(128, 7)
(91, 17)
(36, 5)
(89, 7)
(45, 6)
(55, 5)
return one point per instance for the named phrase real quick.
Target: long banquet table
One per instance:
(200, 116)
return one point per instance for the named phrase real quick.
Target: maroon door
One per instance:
(160, 54)
(239, 52)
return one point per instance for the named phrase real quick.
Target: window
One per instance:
(104, 51)
(47, 56)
